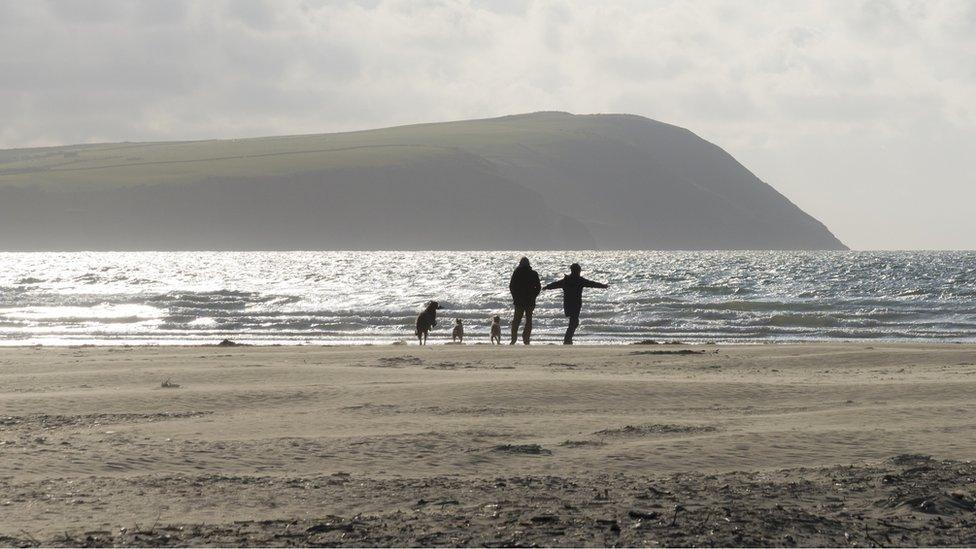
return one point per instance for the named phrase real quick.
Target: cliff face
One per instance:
(538, 181)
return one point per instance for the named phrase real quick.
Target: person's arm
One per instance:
(555, 285)
(536, 283)
(587, 283)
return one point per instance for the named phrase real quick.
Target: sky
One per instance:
(862, 112)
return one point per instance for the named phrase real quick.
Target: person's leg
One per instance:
(515, 323)
(570, 330)
(527, 333)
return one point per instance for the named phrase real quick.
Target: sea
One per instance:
(316, 298)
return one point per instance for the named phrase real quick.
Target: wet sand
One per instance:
(820, 444)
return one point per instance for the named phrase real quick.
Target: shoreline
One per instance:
(310, 444)
(553, 343)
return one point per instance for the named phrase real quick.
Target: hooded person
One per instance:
(572, 286)
(525, 287)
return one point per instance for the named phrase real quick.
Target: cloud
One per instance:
(761, 78)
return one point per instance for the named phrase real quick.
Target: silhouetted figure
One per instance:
(572, 285)
(525, 287)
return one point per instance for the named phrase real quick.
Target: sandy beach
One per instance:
(814, 444)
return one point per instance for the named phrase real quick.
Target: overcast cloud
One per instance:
(861, 112)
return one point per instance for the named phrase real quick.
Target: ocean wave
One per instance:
(804, 320)
(364, 296)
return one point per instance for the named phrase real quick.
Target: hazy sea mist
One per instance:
(372, 297)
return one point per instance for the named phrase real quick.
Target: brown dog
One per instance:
(496, 330)
(426, 320)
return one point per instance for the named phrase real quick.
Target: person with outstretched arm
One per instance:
(525, 287)
(572, 285)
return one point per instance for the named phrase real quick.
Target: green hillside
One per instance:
(124, 164)
(543, 179)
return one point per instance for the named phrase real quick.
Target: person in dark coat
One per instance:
(525, 287)
(572, 285)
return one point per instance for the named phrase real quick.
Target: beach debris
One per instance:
(677, 509)
(581, 443)
(643, 515)
(792, 507)
(444, 365)
(48, 422)
(910, 459)
(229, 343)
(679, 352)
(544, 519)
(333, 524)
(399, 361)
(933, 504)
(528, 449)
(168, 384)
(655, 429)
(645, 342)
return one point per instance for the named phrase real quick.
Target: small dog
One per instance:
(426, 320)
(496, 330)
(457, 335)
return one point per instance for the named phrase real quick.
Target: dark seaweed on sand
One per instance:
(905, 501)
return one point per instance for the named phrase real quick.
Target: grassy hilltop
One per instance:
(543, 180)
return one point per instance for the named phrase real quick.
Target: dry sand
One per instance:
(472, 445)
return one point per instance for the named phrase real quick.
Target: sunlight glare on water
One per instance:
(373, 297)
